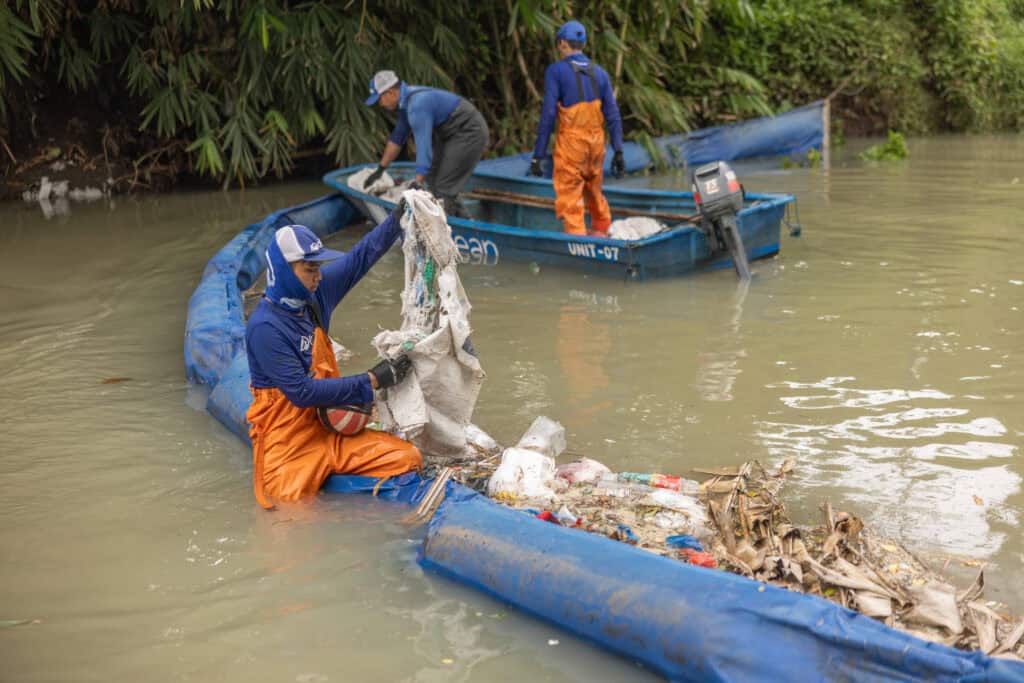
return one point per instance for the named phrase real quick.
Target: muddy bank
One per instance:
(55, 159)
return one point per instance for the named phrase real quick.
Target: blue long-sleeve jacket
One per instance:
(420, 111)
(560, 88)
(279, 342)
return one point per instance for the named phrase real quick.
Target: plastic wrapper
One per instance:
(523, 473)
(544, 436)
(582, 471)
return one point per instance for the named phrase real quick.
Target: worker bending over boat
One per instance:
(306, 419)
(580, 93)
(450, 135)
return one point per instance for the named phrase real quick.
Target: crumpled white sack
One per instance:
(634, 228)
(434, 404)
(379, 186)
(523, 473)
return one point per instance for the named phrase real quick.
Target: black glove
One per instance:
(535, 168)
(618, 165)
(391, 372)
(399, 210)
(373, 177)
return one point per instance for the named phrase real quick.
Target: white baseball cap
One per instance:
(299, 243)
(381, 81)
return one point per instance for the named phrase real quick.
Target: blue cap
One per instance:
(381, 81)
(299, 243)
(572, 30)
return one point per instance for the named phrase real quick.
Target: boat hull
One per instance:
(519, 231)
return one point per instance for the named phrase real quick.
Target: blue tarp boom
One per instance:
(684, 622)
(791, 133)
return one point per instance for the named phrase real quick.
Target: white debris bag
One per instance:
(523, 473)
(480, 441)
(634, 228)
(381, 185)
(582, 471)
(384, 187)
(528, 469)
(434, 405)
(544, 436)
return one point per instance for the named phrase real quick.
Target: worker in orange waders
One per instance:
(580, 92)
(307, 421)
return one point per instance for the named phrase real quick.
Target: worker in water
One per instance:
(306, 419)
(580, 92)
(449, 132)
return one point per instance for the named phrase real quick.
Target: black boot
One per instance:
(453, 207)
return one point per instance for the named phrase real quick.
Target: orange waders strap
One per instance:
(257, 475)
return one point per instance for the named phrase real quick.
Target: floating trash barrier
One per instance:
(735, 520)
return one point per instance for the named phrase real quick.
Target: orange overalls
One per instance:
(293, 453)
(579, 162)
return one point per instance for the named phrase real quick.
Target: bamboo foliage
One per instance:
(245, 85)
(239, 88)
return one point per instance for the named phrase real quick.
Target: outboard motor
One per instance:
(719, 197)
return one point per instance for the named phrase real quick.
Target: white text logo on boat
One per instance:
(477, 251)
(590, 250)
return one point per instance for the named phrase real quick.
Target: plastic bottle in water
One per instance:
(662, 481)
(609, 485)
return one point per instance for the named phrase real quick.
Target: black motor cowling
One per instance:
(719, 197)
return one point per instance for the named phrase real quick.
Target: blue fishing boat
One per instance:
(522, 226)
(513, 213)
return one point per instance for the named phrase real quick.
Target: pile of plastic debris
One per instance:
(736, 521)
(658, 513)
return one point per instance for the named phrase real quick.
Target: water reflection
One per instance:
(882, 348)
(940, 491)
(718, 367)
(583, 346)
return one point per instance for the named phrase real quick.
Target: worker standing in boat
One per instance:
(450, 135)
(579, 92)
(306, 420)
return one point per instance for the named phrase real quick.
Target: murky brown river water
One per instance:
(882, 350)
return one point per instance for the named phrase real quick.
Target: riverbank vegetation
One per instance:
(146, 92)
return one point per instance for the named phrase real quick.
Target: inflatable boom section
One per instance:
(687, 623)
(791, 133)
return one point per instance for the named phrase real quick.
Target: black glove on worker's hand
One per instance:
(399, 210)
(391, 372)
(373, 177)
(618, 165)
(535, 168)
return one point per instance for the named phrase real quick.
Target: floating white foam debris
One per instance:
(86, 194)
(58, 207)
(45, 187)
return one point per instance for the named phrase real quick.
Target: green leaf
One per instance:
(208, 157)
